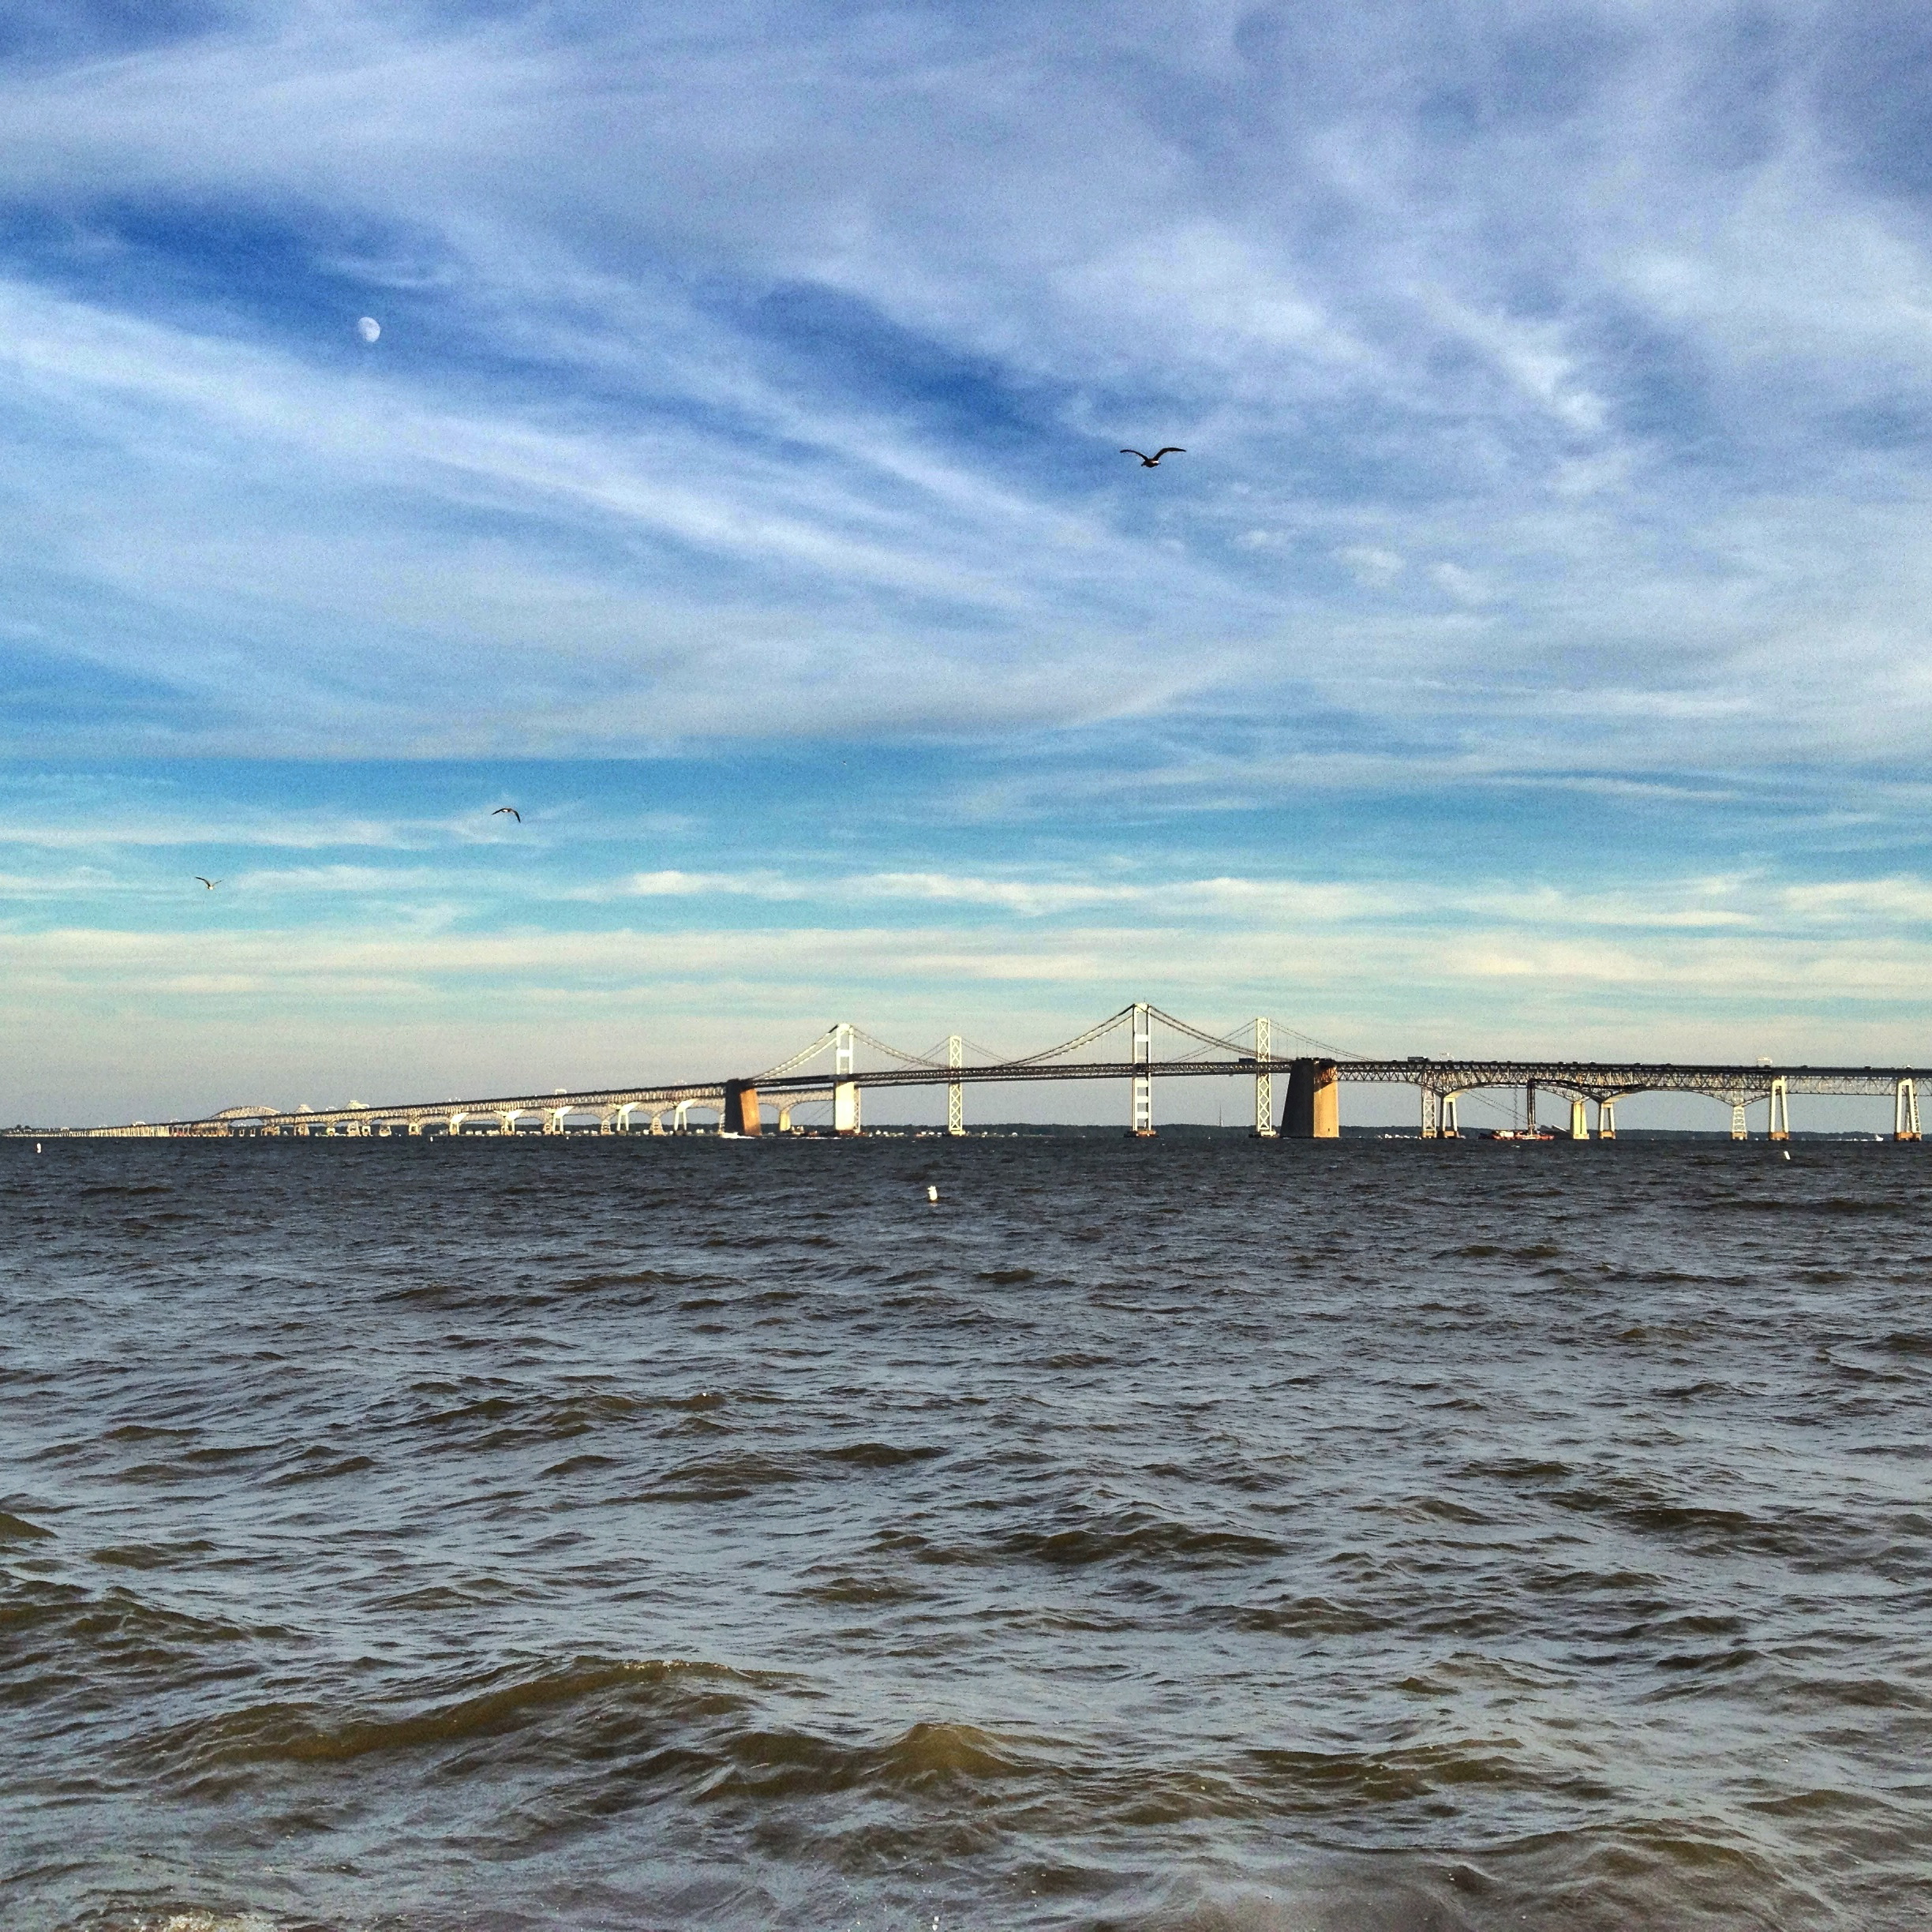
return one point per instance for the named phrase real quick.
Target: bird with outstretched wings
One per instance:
(211, 884)
(1153, 462)
(511, 810)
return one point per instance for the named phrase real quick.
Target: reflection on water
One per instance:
(1194, 1535)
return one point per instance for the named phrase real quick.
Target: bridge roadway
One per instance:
(1593, 1079)
(1310, 1108)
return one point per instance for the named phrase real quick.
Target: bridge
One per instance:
(1136, 1047)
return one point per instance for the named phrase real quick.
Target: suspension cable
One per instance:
(893, 1052)
(1341, 1053)
(1092, 1033)
(818, 1046)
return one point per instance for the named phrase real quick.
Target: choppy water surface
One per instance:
(1199, 1534)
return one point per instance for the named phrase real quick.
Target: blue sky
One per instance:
(1529, 652)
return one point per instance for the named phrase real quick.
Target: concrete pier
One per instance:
(741, 1108)
(1312, 1110)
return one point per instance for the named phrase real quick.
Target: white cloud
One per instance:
(1463, 584)
(1373, 567)
(1305, 960)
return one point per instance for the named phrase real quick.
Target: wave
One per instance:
(720, 1479)
(882, 1455)
(1299, 1616)
(1705, 1528)
(1140, 1536)
(307, 1732)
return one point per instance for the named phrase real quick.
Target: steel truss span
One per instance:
(741, 1105)
(1595, 1080)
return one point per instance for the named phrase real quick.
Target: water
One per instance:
(1197, 1534)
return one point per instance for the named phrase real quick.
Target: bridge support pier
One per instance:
(741, 1109)
(956, 1092)
(1579, 1120)
(1905, 1111)
(1740, 1129)
(1606, 1120)
(1431, 1108)
(1780, 1111)
(1450, 1126)
(1312, 1111)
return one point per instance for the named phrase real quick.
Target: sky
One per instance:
(1528, 655)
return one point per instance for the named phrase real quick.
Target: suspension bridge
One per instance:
(825, 1081)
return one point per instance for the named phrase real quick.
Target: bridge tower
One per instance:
(956, 1091)
(1264, 1082)
(1142, 1123)
(844, 1088)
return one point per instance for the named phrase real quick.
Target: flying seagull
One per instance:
(211, 884)
(1153, 462)
(511, 810)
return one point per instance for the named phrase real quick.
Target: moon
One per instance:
(368, 328)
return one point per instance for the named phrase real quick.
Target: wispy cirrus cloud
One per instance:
(720, 342)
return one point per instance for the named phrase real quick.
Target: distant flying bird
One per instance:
(1153, 462)
(211, 884)
(511, 810)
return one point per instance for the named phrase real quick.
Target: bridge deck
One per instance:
(1588, 1079)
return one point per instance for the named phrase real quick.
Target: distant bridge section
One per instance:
(1136, 1047)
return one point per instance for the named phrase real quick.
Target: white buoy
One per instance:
(1787, 1153)
(932, 1193)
